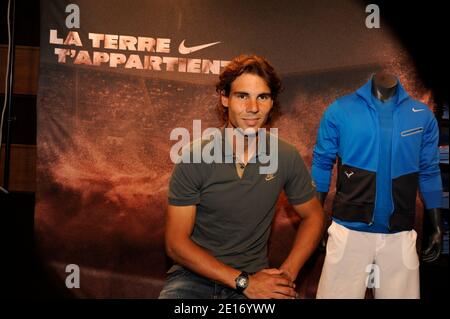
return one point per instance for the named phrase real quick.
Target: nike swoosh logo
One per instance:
(349, 174)
(269, 177)
(417, 110)
(186, 50)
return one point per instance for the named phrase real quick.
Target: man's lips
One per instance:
(251, 121)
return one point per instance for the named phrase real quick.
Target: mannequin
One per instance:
(383, 144)
(384, 86)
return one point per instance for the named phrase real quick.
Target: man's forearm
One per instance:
(187, 253)
(306, 240)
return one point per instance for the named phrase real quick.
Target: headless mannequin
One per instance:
(384, 86)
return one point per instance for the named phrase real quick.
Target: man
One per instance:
(220, 214)
(386, 148)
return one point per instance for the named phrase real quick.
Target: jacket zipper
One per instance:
(394, 130)
(378, 152)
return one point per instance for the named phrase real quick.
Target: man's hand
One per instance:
(270, 284)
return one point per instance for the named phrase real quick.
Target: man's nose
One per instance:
(252, 106)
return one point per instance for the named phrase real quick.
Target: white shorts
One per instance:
(355, 260)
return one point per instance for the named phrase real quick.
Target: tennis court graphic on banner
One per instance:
(113, 87)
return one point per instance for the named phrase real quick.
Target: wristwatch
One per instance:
(242, 281)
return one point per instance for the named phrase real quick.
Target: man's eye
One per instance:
(264, 97)
(242, 96)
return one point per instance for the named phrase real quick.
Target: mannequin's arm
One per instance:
(430, 184)
(321, 196)
(433, 251)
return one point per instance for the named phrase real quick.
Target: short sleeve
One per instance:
(185, 185)
(298, 187)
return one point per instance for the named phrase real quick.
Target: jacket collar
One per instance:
(365, 92)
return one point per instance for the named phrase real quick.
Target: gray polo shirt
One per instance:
(234, 215)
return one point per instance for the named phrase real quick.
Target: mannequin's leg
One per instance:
(398, 266)
(344, 273)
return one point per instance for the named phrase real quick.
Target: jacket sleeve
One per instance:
(325, 150)
(430, 182)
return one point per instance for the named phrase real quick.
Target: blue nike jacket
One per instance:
(349, 133)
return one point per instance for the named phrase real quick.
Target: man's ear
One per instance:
(224, 99)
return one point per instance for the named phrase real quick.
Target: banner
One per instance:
(117, 77)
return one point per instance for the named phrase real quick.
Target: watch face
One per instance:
(242, 282)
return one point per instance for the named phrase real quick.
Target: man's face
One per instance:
(249, 102)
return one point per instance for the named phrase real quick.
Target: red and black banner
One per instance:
(117, 77)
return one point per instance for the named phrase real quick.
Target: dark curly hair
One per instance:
(253, 64)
